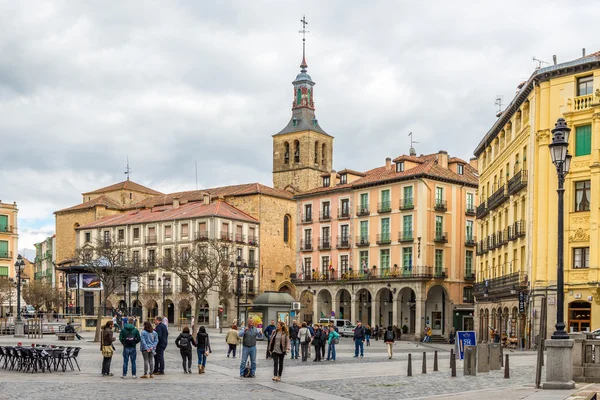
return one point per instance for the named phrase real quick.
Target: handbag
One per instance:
(206, 353)
(336, 341)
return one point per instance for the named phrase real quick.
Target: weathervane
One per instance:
(127, 169)
(304, 32)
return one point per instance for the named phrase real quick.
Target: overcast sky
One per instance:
(84, 84)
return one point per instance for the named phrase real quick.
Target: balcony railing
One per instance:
(362, 210)
(469, 275)
(252, 240)
(482, 247)
(150, 239)
(501, 286)
(482, 210)
(498, 197)
(384, 207)
(519, 229)
(583, 102)
(384, 238)
(306, 245)
(405, 236)
(470, 240)
(226, 237)
(470, 211)
(343, 242)
(306, 218)
(440, 273)
(343, 214)
(407, 204)
(325, 216)
(517, 182)
(202, 236)
(440, 205)
(240, 238)
(396, 273)
(7, 229)
(362, 241)
(325, 243)
(441, 237)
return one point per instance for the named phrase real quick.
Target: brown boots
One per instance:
(200, 369)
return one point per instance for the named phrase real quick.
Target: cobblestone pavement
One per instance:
(348, 377)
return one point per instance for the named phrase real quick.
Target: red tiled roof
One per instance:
(351, 172)
(325, 189)
(125, 185)
(100, 200)
(168, 213)
(225, 191)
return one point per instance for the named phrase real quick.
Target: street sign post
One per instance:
(464, 338)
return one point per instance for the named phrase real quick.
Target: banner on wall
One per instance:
(90, 282)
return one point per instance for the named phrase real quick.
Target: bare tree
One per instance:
(203, 269)
(7, 288)
(110, 260)
(40, 294)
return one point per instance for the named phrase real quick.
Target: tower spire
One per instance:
(303, 66)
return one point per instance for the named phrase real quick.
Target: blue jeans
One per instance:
(295, 347)
(129, 353)
(368, 337)
(358, 345)
(201, 357)
(331, 352)
(248, 351)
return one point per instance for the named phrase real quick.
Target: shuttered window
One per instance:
(583, 140)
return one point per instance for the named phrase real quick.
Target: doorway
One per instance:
(88, 303)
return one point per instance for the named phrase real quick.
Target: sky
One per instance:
(86, 84)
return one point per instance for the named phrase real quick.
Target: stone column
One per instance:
(353, 312)
(419, 318)
(316, 315)
(335, 308)
(559, 364)
(449, 317)
(396, 313)
(375, 308)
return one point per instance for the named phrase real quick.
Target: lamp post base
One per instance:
(19, 329)
(559, 364)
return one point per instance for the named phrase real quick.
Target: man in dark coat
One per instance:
(163, 336)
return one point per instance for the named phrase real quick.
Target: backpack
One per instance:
(184, 342)
(130, 338)
(389, 336)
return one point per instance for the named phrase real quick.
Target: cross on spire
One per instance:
(127, 169)
(303, 32)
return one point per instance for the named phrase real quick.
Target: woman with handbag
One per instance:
(304, 336)
(279, 346)
(106, 346)
(332, 340)
(149, 341)
(203, 348)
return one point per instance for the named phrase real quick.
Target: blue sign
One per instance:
(464, 338)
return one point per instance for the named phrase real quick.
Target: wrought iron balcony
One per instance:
(202, 236)
(470, 211)
(519, 229)
(440, 205)
(405, 236)
(343, 242)
(441, 237)
(469, 275)
(306, 218)
(362, 240)
(482, 247)
(440, 273)
(517, 182)
(407, 204)
(240, 238)
(470, 240)
(384, 207)
(306, 245)
(226, 237)
(343, 214)
(482, 210)
(325, 216)
(325, 243)
(504, 286)
(362, 210)
(252, 240)
(498, 197)
(384, 238)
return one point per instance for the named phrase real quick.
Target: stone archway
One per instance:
(408, 306)
(324, 304)
(437, 312)
(169, 311)
(343, 300)
(384, 314)
(363, 306)
(307, 298)
(185, 312)
(152, 308)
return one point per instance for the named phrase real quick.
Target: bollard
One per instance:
(470, 363)
(506, 370)
(435, 361)
(424, 370)
(409, 370)
(453, 367)
(451, 356)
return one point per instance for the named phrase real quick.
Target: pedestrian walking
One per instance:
(304, 337)
(376, 332)
(332, 340)
(279, 346)
(268, 332)
(368, 335)
(129, 338)
(232, 339)
(294, 329)
(203, 348)
(248, 335)
(184, 343)
(107, 348)
(389, 337)
(359, 339)
(148, 348)
(163, 341)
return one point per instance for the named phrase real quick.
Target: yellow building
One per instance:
(9, 239)
(518, 211)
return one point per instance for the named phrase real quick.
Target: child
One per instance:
(184, 342)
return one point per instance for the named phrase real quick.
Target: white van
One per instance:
(345, 327)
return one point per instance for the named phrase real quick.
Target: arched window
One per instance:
(323, 154)
(296, 151)
(316, 152)
(286, 229)
(298, 96)
(286, 157)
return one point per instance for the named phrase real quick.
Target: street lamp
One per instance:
(562, 161)
(239, 270)
(19, 329)
(164, 282)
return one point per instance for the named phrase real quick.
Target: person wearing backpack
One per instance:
(203, 348)
(389, 338)
(129, 338)
(332, 340)
(184, 342)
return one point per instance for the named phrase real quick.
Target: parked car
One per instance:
(344, 327)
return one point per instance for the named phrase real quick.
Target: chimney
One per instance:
(333, 178)
(554, 59)
(583, 52)
(206, 198)
(175, 203)
(474, 163)
(443, 159)
(388, 164)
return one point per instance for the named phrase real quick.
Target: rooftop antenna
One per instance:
(127, 169)
(412, 150)
(303, 32)
(498, 102)
(540, 62)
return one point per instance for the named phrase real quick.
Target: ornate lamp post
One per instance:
(19, 329)
(562, 161)
(238, 270)
(161, 283)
